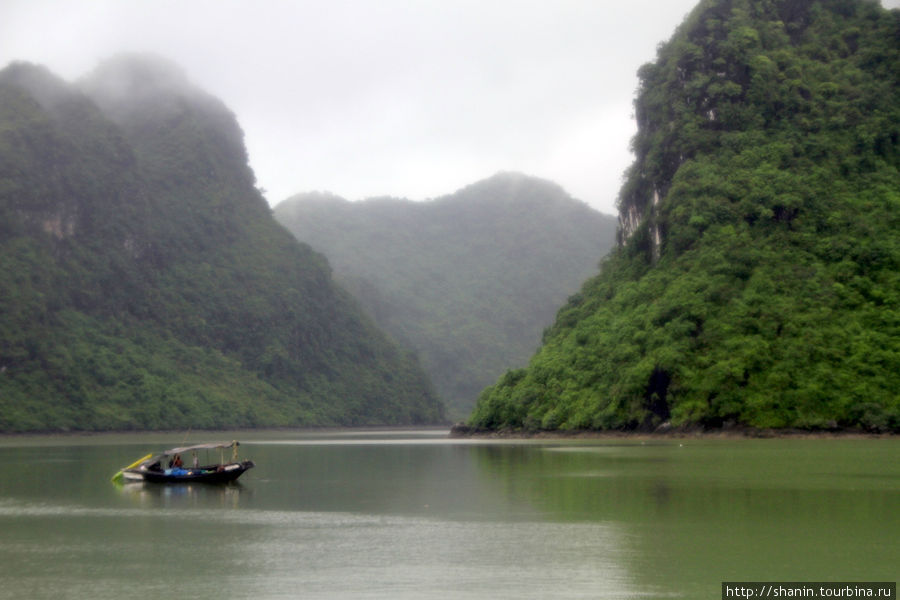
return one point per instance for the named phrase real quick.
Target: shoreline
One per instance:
(464, 431)
(461, 431)
(212, 432)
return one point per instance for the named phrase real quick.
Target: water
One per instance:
(398, 515)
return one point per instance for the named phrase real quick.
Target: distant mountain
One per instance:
(757, 284)
(144, 283)
(468, 280)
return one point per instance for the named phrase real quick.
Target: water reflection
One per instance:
(186, 495)
(340, 555)
(387, 515)
(697, 513)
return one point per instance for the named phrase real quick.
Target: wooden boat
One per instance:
(168, 467)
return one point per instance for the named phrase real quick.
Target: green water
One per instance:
(399, 515)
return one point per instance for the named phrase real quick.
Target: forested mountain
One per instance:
(758, 279)
(144, 283)
(468, 280)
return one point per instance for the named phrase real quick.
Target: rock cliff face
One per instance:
(636, 212)
(144, 283)
(756, 279)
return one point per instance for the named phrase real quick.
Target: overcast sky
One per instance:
(407, 98)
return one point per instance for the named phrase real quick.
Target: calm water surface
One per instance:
(412, 514)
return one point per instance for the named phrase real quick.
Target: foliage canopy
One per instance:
(144, 283)
(757, 282)
(468, 280)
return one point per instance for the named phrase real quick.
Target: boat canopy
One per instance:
(212, 446)
(185, 449)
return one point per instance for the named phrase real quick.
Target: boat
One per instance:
(169, 466)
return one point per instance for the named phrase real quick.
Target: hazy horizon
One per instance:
(395, 98)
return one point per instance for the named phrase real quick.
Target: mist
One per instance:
(364, 99)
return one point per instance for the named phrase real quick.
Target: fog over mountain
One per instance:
(144, 283)
(367, 98)
(469, 280)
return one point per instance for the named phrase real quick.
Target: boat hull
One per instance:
(216, 474)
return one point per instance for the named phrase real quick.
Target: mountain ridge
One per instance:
(146, 284)
(468, 279)
(755, 282)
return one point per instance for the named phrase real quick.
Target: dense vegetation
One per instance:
(144, 283)
(468, 280)
(758, 280)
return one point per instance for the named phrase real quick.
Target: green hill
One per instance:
(468, 280)
(144, 283)
(757, 283)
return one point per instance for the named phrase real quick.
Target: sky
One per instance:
(362, 98)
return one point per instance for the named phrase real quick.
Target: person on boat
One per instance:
(175, 463)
